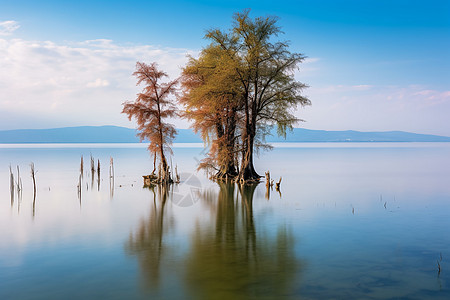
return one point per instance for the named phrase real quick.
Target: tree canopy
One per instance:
(239, 88)
(151, 109)
(242, 82)
(212, 96)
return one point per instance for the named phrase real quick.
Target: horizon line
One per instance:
(287, 131)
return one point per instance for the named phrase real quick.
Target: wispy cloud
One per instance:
(98, 83)
(308, 67)
(8, 27)
(311, 60)
(59, 81)
(342, 88)
(371, 107)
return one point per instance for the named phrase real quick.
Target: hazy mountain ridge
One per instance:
(115, 134)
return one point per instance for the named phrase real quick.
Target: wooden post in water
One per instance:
(11, 185)
(33, 173)
(92, 171)
(111, 167)
(267, 185)
(92, 164)
(176, 175)
(33, 176)
(79, 187)
(81, 166)
(111, 176)
(98, 174)
(267, 178)
(277, 185)
(19, 181)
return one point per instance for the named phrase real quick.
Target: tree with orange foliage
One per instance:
(211, 96)
(265, 71)
(150, 109)
(241, 86)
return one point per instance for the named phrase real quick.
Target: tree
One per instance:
(211, 96)
(264, 70)
(150, 109)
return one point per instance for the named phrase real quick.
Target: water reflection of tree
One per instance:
(232, 260)
(147, 243)
(233, 257)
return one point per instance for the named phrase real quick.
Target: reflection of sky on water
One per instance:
(367, 220)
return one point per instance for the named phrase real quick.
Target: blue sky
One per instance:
(372, 65)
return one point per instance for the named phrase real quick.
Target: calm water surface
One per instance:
(352, 221)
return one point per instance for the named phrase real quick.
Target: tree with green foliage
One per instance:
(263, 73)
(212, 98)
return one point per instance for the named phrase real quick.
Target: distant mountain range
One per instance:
(114, 134)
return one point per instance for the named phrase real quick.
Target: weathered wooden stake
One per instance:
(277, 185)
(92, 171)
(176, 174)
(79, 188)
(33, 173)
(111, 176)
(111, 168)
(11, 185)
(92, 165)
(439, 268)
(19, 181)
(98, 174)
(81, 166)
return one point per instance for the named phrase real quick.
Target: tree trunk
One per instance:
(227, 167)
(163, 159)
(165, 173)
(227, 171)
(248, 172)
(154, 164)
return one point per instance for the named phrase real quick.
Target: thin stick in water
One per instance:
(11, 185)
(111, 176)
(79, 188)
(92, 164)
(81, 166)
(33, 176)
(19, 181)
(98, 174)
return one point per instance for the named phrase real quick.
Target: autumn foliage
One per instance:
(151, 109)
(211, 97)
(240, 87)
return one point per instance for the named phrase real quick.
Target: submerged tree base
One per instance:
(225, 175)
(235, 179)
(163, 177)
(152, 179)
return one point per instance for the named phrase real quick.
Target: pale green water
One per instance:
(353, 221)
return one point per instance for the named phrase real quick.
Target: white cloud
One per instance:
(98, 83)
(378, 108)
(342, 88)
(61, 84)
(8, 27)
(311, 60)
(45, 84)
(308, 67)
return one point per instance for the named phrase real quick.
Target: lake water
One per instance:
(351, 221)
